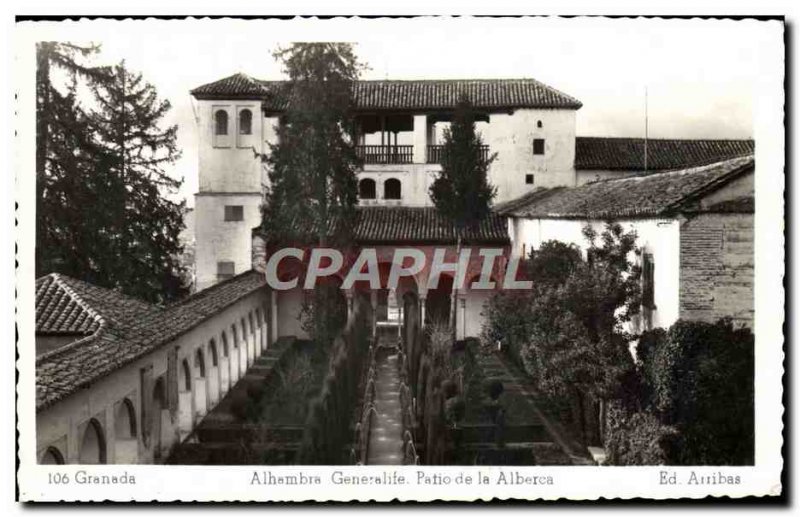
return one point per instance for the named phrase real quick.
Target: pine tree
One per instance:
(65, 157)
(141, 225)
(462, 193)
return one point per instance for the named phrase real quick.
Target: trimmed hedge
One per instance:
(695, 401)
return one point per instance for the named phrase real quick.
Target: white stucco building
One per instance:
(694, 228)
(528, 125)
(122, 381)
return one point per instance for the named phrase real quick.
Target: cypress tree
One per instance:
(313, 190)
(462, 193)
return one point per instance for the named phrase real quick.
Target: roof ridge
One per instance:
(710, 184)
(102, 322)
(667, 139)
(684, 170)
(209, 290)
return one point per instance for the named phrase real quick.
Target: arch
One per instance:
(392, 189)
(93, 444)
(125, 420)
(245, 122)
(235, 336)
(200, 362)
(220, 122)
(212, 347)
(250, 322)
(437, 303)
(244, 330)
(187, 376)
(52, 456)
(366, 189)
(224, 344)
(258, 317)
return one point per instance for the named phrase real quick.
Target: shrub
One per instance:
(256, 391)
(552, 263)
(240, 405)
(700, 378)
(454, 409)
(637, 438)
(494, 388)
(449, 388)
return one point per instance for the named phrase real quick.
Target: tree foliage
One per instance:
(140, 223)
(312, 168)
(568, 330)
(462, 192)
(102, 211)
(700, 381)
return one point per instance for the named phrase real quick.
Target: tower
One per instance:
(228, 202)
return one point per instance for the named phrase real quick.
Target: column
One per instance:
(273, 305)
(420, 138)
(422, 298)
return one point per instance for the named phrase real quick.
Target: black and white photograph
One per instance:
(425, 258)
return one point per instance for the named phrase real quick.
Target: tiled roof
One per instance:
(65, 305)
(404, 95)
(405, 224)
(651, 195)
(398, 224)
(628, 153)
(67, 369)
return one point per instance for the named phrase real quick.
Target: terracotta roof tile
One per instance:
(404, 95)
(628, 153)
(124, 339)
(650, 195)
(421, 224)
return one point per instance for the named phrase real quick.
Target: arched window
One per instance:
(212, 346)
(93, 444)
(187, 376)
(392, 189)
(224, 344)
(221, 122)
(245, 122)
(200, 363)
(52, 456)
(125, 420)
(366, 189)
(538, 123)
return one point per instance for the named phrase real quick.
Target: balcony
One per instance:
(435, 153)
(385, 154)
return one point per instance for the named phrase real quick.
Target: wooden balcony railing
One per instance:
(391, 154)
(435, 153)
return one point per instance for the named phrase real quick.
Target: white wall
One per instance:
(230, 165)
(61, 425)
(661, 237)
(415, 179)
(511, 137)
(219, 240)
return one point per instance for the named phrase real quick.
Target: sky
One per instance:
(700, 76)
